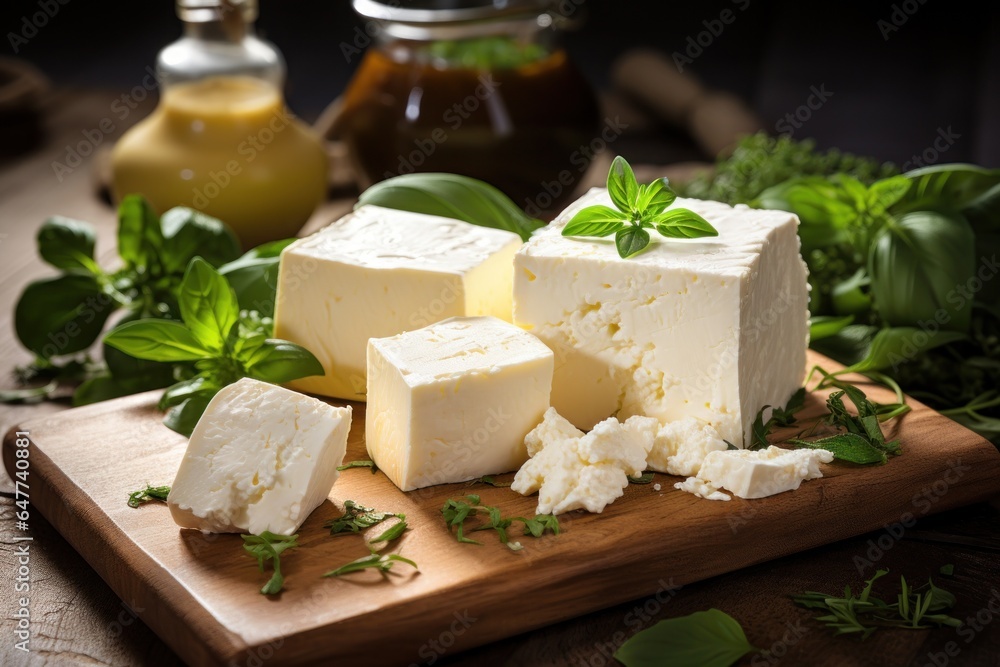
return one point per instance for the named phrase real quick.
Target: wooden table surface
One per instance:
(78, 620)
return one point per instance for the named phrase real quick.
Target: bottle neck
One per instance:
(231, 31)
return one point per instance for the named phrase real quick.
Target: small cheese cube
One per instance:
(378, 272)
(711, 328)
(454, 400)
(571, 470)
(260, 458)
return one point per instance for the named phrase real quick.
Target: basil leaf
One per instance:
(824, 326)
(683, 224)
(208, 304)
(946, 187)
(185, 416)
(280, 361)
(917, 263)
(704, 639)
(594, 221)
(62, 315)
(140, 238)
(848, 447)
(631, 240)
(622, 186)
(254, 276)
(188, 233)
(883, 194)
(157, 340)
(451, 196)
(185, 389)
(108, 386)
(68, 244)
(849, 298)
(893, 347)
(655, 197)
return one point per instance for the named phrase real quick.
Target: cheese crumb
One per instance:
(701, 488)
(681, 446)
(755, 474)
(657, 487)
(570, 470)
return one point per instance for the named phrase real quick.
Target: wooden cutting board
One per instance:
(200, 592)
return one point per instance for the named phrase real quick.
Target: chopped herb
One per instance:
(391, 533)
(457, 512)
(373, 560)
(948, 570)
(359, 464)
(489, 479)
(644, 478)
(358, 517)
(137, 498)
(268, 546)
(914, 608)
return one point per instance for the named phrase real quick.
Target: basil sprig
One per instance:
(222, 343)
(637, 208)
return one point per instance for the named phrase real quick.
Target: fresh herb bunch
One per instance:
(914, 608)
(903, 274)
(142, 496)
(457, 512)
(760, 161)
(637, 208)
(59, 318)
(216, 343)
(268, 547)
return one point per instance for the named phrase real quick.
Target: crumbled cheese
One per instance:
(681, 446)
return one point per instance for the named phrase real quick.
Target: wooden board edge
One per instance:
(55, 498)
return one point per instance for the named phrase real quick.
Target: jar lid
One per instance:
(456, 19)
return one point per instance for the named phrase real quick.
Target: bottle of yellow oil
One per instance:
(221, 140)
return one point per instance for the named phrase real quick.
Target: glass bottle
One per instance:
(474, 87)
(221, 140)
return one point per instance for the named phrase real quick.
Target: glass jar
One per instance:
(471, 87)
(221, 139)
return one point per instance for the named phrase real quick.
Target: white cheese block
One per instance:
(681, 446)
(571, 471)
(756, 474)
(377, 272)
(712, 328)
(454, 400)
(260, 458)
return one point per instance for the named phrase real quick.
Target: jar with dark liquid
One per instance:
(473, 90)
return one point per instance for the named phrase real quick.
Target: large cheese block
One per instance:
(378, 272)
(453, 401)
(260, 458)
(713, 328)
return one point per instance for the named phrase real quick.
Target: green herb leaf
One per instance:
(184, 417)
(359, 464)
(372, 561)
(704, 639)
(137, 498)
(451, 196)
(824, 326)
(883, 194)
(68, 244)
(457, 512)
(208, 305)
(594, 221)
(947, 570)
(140, 237)
(655, 197)
(356, 518)
(157, 340)
(254, 276)
(682, 224)
(490, 480)
(631, 240)
(185, 389)
(62, 315)
(391, 533)
(848, 447)
(188, 234)
(280, 361)
(644, 478)
(898, 345)
(622, 186)
(269, 546)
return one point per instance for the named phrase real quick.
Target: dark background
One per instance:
(891, 97)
